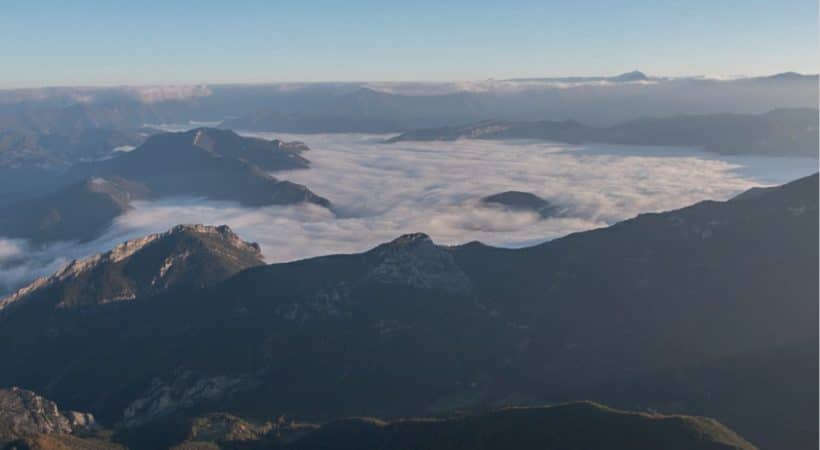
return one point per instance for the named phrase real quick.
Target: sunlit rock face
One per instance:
(185, 256)
(24, 413)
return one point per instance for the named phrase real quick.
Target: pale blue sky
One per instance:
(84, 42)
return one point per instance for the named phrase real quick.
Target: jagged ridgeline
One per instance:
(82, 202)
(684, 311)
(30, 422)
(187, 256)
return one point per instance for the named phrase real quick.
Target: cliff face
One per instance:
(24, 413)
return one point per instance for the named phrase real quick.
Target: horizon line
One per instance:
(112, 85)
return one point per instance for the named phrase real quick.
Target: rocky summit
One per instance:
(414, 260)
(186, 256)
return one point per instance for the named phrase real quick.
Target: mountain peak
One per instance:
(788, 76)
(223, 231)
(414, 260)
(410, 239)
(269, 155)
(635, 75)
(208, 138)
(185, 256)
(521, 201)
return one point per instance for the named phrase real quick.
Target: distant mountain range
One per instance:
(598, 101)
(58, 127)
(218, 164)
(635, 75)
(73, 113)
(398, 107)
(666, 307)
(30, 422)
(56, 150)
(780, 133)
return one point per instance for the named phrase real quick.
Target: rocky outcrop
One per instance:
(24, 413)
(414, 260)
(269, 155)
(185, 256)
(221, 427)
(409, 261)
(185, 390)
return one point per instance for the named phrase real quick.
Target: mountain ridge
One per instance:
(570, 315)
(186, 255)
(193, 159)
(779, 132)
(573, 425)
(80, 211)
(205, 162)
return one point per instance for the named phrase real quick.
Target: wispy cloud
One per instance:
(155, 94)
(493, 86)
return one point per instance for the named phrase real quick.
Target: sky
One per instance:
(111, 42)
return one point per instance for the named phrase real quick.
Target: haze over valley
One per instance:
(516, 225)
(379, 191)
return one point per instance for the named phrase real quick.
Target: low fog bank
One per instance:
(380, 191)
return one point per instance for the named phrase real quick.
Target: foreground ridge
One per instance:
(650, 313)
(36, 423)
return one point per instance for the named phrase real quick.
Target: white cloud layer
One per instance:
(383, 190)
(494, 86)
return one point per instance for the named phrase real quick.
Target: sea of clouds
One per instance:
(380, 191)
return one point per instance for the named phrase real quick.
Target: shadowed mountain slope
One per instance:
(212, 163)
(571, 426)
(80, 211)
(411, 328)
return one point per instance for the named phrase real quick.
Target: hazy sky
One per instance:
(147, 42)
